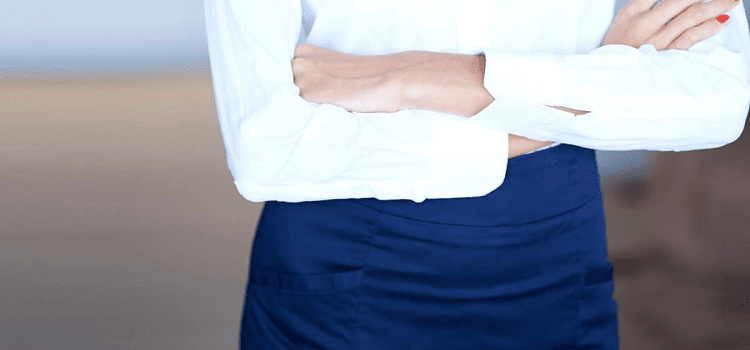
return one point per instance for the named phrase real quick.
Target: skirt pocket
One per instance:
(284, 311)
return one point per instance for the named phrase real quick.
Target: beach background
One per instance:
(121, 228)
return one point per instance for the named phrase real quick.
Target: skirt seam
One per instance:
(567, 212)
(373, 233)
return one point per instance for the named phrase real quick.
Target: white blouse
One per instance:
(539, 53)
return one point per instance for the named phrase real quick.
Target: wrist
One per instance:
(450, 83)
(408, 77)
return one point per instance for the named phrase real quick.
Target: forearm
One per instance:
(441, 82)
(450, 83)
(458, 90)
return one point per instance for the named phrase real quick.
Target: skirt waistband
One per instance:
(537, 186)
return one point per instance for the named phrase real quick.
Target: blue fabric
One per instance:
(524, 267)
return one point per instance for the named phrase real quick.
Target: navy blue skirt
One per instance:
(524, 267)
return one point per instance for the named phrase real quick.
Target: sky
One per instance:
(46, 33)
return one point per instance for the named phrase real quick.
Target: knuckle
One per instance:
(631, 9)
(299, 63)
(679, 45)
(301, 84)
(301, 49)
(692, 36)
(656, 44)
(642, 22)
(694, 14)
(639, 23)
(641, 28)
(659, 44)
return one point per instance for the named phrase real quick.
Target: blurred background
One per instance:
(121, 228)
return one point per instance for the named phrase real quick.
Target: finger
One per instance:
(668, 10)
(640, 5)
(653, 20)
(699, 13)
(310, 50)
(301, 50)
(697, 34)
(694, 15)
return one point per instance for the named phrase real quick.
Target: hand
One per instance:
(519, 145)
(353, 82)
(674, 24)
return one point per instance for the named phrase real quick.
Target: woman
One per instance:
(428, 166)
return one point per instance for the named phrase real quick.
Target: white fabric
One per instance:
(544, 52)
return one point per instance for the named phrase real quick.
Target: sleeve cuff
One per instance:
(534, 77)
(464, 151)
(524, 118)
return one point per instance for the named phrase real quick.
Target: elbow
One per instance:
(732, 124)
(714, 133)
(736, 104)
(732, 131)
(730, 137)
(739, 118)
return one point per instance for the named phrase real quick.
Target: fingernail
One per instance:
(722, 18)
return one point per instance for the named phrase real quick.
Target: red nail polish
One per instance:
(722, 18)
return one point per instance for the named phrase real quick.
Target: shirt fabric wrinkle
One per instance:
(538, 54)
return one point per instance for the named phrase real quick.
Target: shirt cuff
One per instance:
(534, 77)
(464, 151)
(524, 118)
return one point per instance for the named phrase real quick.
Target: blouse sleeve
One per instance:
(283, 148)
(671, 100)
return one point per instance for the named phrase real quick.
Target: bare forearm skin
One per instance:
(442, 82)
(454, 83)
